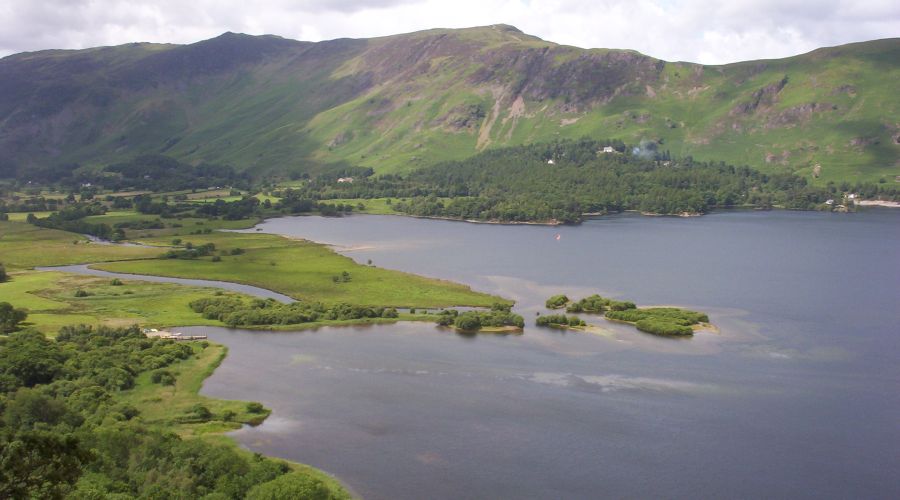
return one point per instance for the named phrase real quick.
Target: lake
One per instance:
(796, 396)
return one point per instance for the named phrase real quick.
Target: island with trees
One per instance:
(499, 318)
(665, 321)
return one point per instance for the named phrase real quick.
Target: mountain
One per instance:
(267, 104)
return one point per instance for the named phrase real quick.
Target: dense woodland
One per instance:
(564, 180)
(560, 181)
(65, 434)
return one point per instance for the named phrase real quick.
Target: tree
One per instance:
(31, 358)
(10, 317)
(39, 464)
(468, 321)
(3, 276)
(28, 407)
(291, 485)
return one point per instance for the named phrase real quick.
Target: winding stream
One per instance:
(255, 291)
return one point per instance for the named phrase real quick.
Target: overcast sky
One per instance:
(709, 32)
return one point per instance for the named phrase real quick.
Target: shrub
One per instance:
(254, 407)
(293, 485)
(468, 321)
(198, 413)
(556, 301)
(559, 320)
(162, 377)
(658, 327)
(10, 317)
(116, 282)
(81, 293)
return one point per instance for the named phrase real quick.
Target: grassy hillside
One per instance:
(398, 103)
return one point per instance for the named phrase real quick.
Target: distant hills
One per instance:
(265, 104)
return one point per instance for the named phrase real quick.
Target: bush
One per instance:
(81, 293)
(468, 321)
(556, 301)
(663, 327)
(292, 485)
(661, 320)
(162, 377)
(476, 320)
(197, 413)
(574, 307)
(559, 320)
(10, 317)
(116, 282)
(254, 407)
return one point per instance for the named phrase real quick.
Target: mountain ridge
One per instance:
(401, 102)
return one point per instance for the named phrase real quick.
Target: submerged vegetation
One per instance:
(655, 320)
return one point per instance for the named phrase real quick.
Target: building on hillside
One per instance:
(551, 162)
(346, 179)
(607, 149)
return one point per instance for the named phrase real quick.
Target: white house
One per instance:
(608, 149)
(551, 162)
(829, 202)
(345, 179)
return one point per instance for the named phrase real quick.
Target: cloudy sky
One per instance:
(691, 30)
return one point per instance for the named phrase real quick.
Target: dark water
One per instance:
(797, 396)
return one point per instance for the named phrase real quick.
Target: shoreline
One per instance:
(877, 203)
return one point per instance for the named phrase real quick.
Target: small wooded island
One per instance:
(669, 321)
(499, 319)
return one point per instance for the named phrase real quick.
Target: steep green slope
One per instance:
(398, 103)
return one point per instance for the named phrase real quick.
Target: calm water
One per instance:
(796, 397)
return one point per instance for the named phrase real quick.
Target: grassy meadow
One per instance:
(23, 246)
(305, 270)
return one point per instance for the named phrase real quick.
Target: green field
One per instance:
(51, 302)
(23, 246)
(301, 269)
(305, 270)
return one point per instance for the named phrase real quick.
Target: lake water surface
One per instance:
(797, 396)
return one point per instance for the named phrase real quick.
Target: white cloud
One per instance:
(692, 30)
